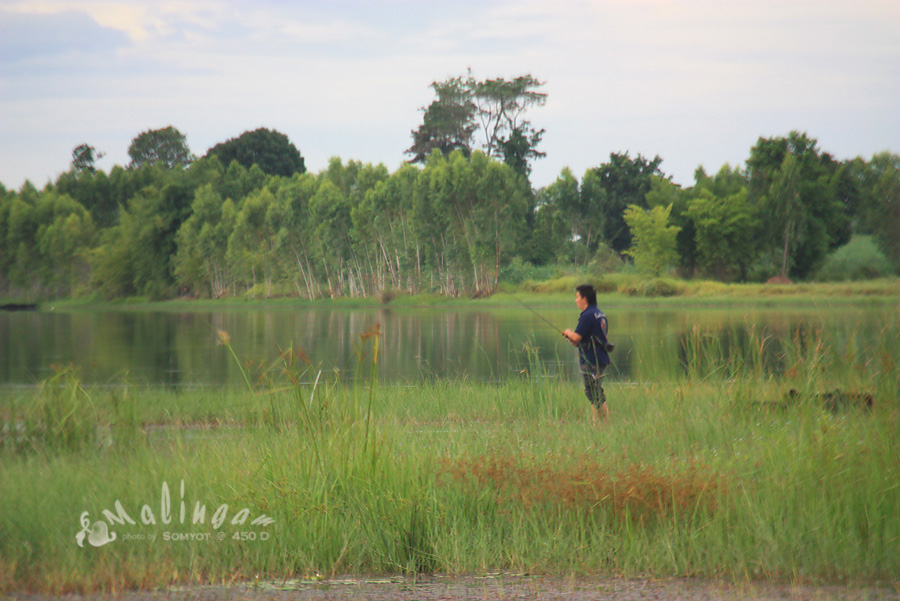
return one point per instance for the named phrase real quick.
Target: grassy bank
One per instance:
(723, 472)
(614, 290)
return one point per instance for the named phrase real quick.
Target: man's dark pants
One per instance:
(593, 383)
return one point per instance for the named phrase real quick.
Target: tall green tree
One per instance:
(726, 183)
(519, 149)
(664, 192)
(111, 260)
(124, 183)
(471, 214)
(84, 158)
(728, 180)
(727, 233)
(353, 182)
(502, 208)
(485, 207)
(500, 104)
(653, 239)
(431, 225)
(593, 198)
(271, 150)
(563, 198)
(167, 147)
(794, 184)
(18, 227)
(495, 106)
(789, 211)
(295, 239)
(551, 235)
(44, 240)
(19, 222)
(579, 208)
(448, 123)
(201, 261)
(135, 256)
(881, 190)
(253, 240)
(330, 211)
(382, 228)
(624, 181)
(238, 182)
(94, 190)
(63, 239)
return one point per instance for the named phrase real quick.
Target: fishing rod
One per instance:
(609, 345)
(541, 317)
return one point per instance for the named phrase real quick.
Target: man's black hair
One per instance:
(587, 292)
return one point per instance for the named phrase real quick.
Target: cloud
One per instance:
(27, 39)
(694, 81)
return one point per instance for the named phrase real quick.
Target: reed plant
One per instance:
(737, 468)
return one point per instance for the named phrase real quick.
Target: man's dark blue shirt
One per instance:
(592, 327)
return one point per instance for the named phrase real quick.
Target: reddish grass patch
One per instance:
(778, 279)
(636, 491)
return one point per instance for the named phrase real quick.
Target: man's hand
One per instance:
(572, 337)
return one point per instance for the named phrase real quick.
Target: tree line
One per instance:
(247, 217)
(206, 230)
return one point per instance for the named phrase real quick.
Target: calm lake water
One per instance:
(183, 350)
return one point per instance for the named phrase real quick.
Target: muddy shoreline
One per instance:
(505, 587)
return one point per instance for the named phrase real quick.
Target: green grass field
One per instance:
(721, 472)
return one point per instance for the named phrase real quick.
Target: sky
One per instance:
(696, 82)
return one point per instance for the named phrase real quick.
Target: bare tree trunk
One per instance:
(303, 274)
(362, 281)
(387, 261)
(374, 270)
(497, 270)
(784, 254)
(418, 266)
(328, 278)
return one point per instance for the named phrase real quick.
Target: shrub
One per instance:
(612, 282)
(606, 260)
(519, 271)
(662, 287)
(859, 259)
(632, 284)
(710, 288)
(564, 283)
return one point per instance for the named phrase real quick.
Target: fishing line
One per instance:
(541, 317)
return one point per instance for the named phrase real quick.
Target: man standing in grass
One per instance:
(590, 338)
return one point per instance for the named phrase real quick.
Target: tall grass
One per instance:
(722, 472)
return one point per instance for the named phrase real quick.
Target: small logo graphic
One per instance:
(98, 534)
(179, 525)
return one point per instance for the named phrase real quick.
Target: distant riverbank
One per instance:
(613, 290)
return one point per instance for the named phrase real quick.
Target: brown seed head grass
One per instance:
(636, 491)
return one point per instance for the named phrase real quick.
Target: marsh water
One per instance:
(184, 349)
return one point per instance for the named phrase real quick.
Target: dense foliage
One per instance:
(452, 225)
(271, 150)
(167, 147)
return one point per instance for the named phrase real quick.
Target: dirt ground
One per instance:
(435, 588)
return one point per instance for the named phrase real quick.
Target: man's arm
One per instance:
(573, 337)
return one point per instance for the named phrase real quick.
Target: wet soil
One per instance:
(499, 587)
